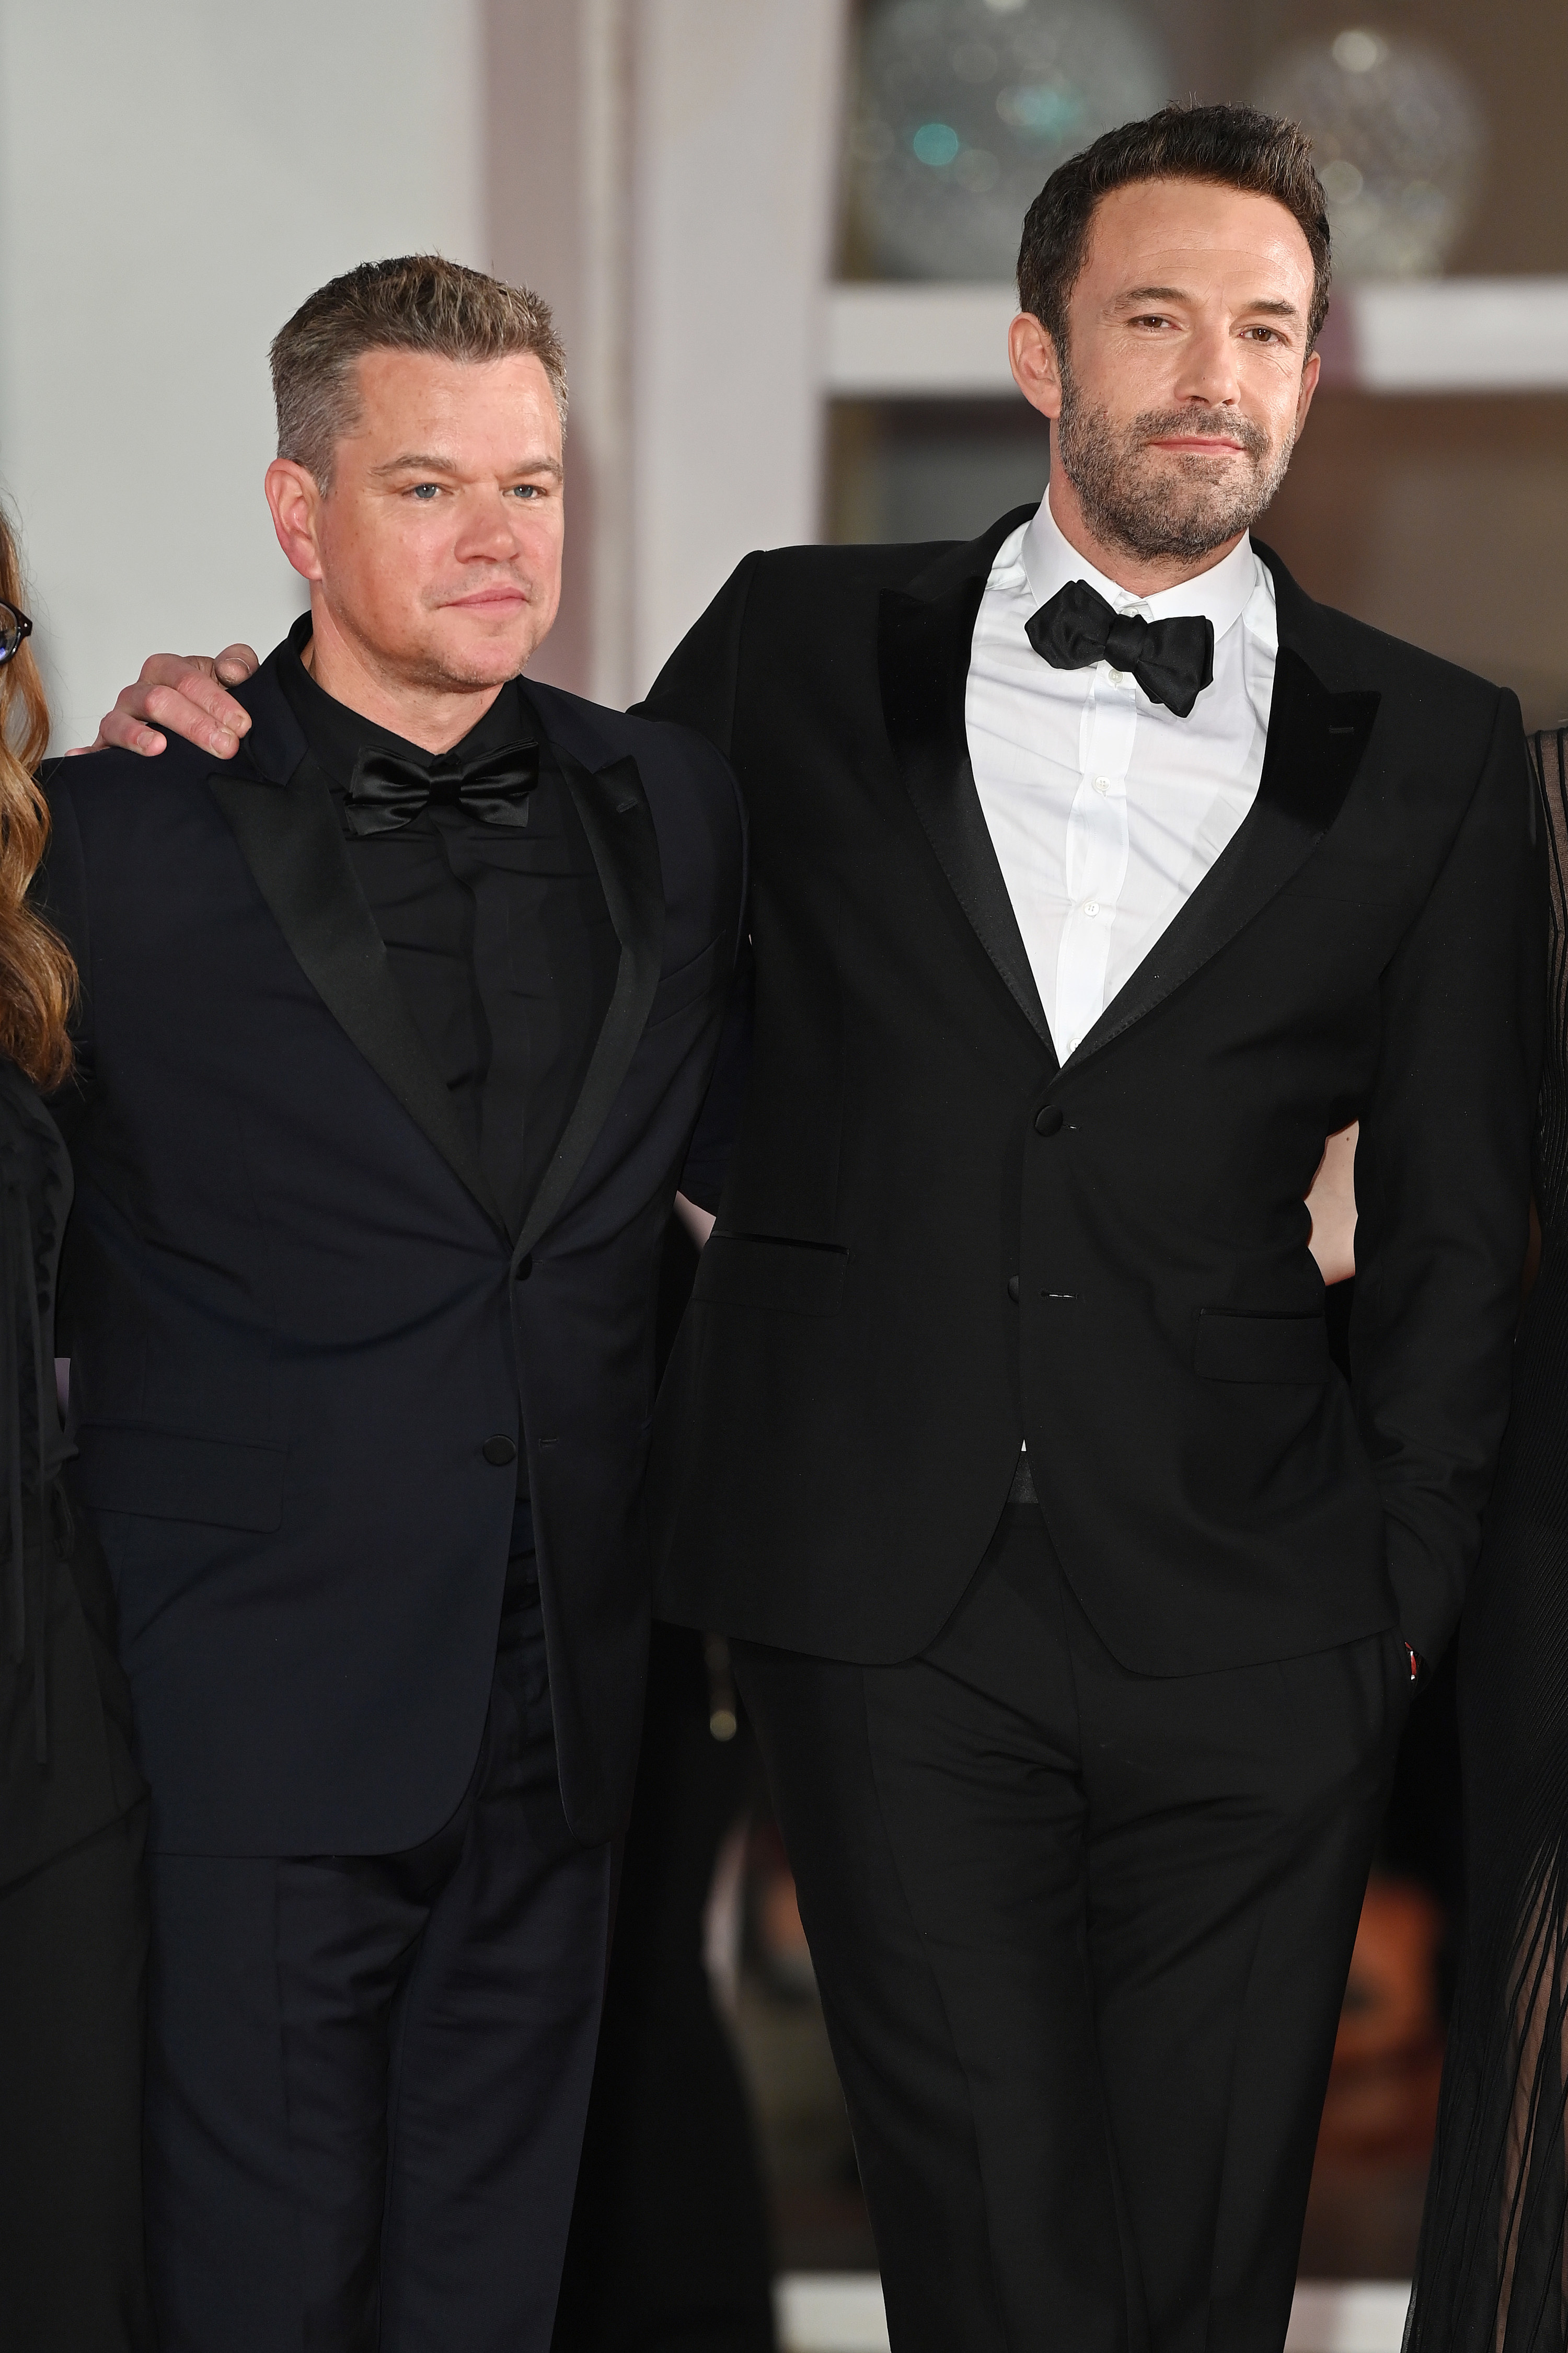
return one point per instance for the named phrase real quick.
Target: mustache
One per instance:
(1225, 423)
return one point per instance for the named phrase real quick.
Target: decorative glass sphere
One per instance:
(966, 107)
(1397, 138)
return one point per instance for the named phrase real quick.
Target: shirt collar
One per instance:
(1220, 595)
(337, 734)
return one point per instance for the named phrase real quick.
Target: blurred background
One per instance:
(778, 235)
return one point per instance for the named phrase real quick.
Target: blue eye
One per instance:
(426, 491)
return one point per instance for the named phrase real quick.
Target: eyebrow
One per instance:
(1271, 306)
(418, 461)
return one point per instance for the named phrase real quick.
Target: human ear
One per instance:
(1036, 369)
(1310, 375)
(295, 502)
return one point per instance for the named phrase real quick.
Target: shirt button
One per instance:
(1015, 1287)
(499, 1451)
(1119, 677)
(1091, 906)
(1103, 783)
(1048, 1119)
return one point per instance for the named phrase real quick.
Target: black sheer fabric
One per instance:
(66, 1766)
(1492, 2271)
(34, 1196)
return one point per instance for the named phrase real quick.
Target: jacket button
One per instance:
(523, 1267)
(1048, 1119)
(498, 1450)
(1015, 1287)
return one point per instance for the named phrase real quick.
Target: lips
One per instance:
(491, 601)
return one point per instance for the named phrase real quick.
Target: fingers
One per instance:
(120, 729)
(176, 695)
(235, 664)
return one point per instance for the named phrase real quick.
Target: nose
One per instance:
(1208, 370)
(489, 531)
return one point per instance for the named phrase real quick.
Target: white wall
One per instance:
(175, 177)
(737, 117)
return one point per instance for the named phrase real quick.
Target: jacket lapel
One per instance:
(1315, 743)
(923, 652)
(614, 807)
(289, 837)
(282, 818)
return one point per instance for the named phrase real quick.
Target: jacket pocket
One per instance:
(1260, 1347)
(166, 1474)
(690, 983)
(753, 1271)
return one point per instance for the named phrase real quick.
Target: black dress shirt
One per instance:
(498, 937)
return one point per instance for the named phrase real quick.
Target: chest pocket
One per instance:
(689, 983)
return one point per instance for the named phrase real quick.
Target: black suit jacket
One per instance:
(934, 1242)
(296, 1316)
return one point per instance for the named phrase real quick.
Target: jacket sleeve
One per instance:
(1443, 1189)
(719, 1123)
(697, 685)
(697, 688)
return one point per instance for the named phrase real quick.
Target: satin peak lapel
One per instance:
(613, 804)
(1316, 742)
(289, 837)
(923, 656)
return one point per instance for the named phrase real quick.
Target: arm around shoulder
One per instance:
(697, 686)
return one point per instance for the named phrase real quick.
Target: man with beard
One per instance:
(1098, 875)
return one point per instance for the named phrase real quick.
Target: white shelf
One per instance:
(842, 2312)
(910, 342)
(1435, 336)
(1459, 334)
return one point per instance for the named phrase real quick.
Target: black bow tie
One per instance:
(1172, 662)
(388, 791)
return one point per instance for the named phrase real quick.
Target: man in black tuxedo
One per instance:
(1097, 874)
(395, 1031)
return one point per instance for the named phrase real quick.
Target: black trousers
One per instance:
(1081, 1938)
(73, 1943)
(368, 2075)
(670, 2233)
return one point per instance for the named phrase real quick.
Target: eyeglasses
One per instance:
(15, 627)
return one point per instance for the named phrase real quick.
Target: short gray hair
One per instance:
(420, 302)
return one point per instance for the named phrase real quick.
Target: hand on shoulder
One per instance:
(180, 694)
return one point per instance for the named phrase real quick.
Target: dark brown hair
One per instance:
(37, 978)
(1232, 146)
(419, 302)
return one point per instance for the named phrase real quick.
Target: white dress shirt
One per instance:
(1106, 809)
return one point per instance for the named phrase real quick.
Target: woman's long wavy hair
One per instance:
(37, 978)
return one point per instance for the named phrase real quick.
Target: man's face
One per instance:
(439, 542)
(1186, 379)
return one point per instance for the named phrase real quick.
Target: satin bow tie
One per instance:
(388, 791)
(1172, 662)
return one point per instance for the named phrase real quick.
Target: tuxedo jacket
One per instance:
(305, 1344)
(935, 1241)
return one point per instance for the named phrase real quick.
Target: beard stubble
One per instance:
(1160, 504)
